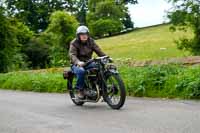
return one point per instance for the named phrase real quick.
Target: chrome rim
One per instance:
(113, 91)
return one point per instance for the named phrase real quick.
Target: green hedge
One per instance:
(38, 82)
(167, 81)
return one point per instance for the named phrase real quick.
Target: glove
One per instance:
(81, 63)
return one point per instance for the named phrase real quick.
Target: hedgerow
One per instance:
(166, 81)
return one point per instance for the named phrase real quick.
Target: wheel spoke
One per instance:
(113, 90)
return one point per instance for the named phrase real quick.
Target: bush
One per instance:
(13, 35)
(37, 53)
(10, 44)
(167, 81)
(58, 35)
(37, 82)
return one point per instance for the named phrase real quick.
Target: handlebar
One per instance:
(98, 59)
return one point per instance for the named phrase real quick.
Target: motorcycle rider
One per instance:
(80, 51)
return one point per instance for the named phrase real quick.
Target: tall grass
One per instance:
(167, 81)
(37, 82)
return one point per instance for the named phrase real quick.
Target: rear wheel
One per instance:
(115, 92)
(73, 92)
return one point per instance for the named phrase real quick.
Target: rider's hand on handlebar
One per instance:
(81, 63)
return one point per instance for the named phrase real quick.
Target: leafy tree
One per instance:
(50, 48)
(37, 53)
(130, 1)
(108, 10)
(23, 33)
(92, 3)
(58, 35)
(120, 4)
(105, 14)
(23, 36)
(186, 15)
(33, 50)
(10, 56)
(104, 27)
(36, 13)
(111, 11)
(81, 13)
(127, 21)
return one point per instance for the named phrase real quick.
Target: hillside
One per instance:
(142, 44)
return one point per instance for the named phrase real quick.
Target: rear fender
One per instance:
(68, 74)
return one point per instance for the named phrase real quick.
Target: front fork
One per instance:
(104, 76)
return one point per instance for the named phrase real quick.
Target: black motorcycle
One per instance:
(102, 82)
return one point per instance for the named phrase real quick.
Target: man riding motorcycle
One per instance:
(80, 51)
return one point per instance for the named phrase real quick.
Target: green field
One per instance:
(143, 44)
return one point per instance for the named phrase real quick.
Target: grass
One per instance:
(143, 44)
(33, 81)
(166, 81)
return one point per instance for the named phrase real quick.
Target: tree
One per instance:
(84, 6)
(186, 15)
(104, 27)
(23, 36)
(127, 21)
(121, 4)
(81, 13)
(105, 14)
(130, 1)
(58, 35)
(23, 33)
(36, 13)
(109, 11)
(10, 47)
(37, 53)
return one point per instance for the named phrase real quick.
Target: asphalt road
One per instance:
(27, 112)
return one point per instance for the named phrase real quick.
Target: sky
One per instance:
(149, 12)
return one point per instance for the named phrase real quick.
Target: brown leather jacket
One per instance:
(83, 51)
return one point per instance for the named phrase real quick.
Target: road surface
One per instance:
(28, 112)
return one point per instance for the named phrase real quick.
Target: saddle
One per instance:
(68, 74)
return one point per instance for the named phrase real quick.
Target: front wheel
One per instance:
(115, 93)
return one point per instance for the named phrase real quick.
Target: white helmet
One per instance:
(82, 29)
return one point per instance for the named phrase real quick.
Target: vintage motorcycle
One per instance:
(101, 82)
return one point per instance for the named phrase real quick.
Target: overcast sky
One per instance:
(149, 12)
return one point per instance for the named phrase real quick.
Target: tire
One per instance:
(71, 88)
(121, 88)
